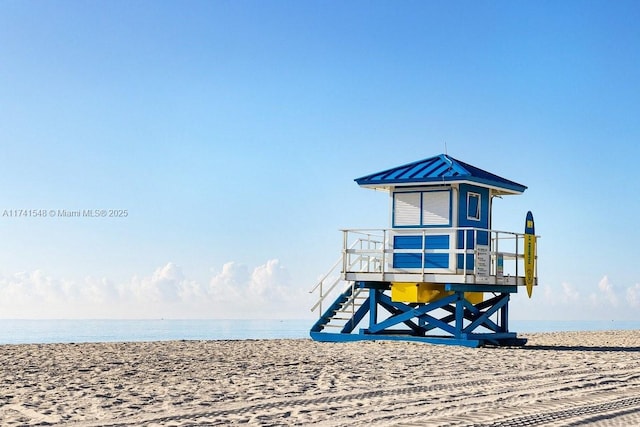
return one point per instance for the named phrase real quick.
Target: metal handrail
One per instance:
(333, 267)
(341, 260)
(379, 254)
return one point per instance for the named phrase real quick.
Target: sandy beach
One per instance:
(569, 378)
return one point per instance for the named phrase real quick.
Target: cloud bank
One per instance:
(263, 292)
(596, 301)
(236, 291)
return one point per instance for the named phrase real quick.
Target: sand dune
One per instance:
(563, 379)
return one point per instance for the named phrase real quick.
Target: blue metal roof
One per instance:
(436, 171)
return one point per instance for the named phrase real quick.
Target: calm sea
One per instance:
(76, 331)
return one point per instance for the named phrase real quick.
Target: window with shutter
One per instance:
(406, 209)
(435, 208)
(421, 208)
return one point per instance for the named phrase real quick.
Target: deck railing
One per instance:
(372, 251)
(328, 284)
(369, 253)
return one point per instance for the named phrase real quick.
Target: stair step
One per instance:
(350, 305)
(348, 309)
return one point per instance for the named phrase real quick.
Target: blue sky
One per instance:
(231, 132)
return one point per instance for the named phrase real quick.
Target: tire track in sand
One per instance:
(576, 416)
(425, 402)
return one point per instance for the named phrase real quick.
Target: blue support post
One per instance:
(484, 317)
(373, 306)
(356, 319)
(459, 313)
(504, 315)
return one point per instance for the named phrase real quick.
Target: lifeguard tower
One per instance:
(440, 273)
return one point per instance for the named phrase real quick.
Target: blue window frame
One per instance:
(473, 206)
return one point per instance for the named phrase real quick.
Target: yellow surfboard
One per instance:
(529, 253)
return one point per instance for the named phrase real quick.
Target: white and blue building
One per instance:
(439, 273)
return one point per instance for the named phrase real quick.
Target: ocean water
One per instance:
(77, 331)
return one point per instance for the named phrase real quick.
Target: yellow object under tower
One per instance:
(426, 292)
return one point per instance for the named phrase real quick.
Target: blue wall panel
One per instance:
(407, 260)
(407, 242)
(415, 242)
(413, 260)
(470, 260)
(462, 206)
(463, 221)
(437, 242)
(437, 261)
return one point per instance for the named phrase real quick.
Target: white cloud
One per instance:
(234, 292)
(227, 286)
(633, 295)
(569, 293)
(167, 284)
(270, 281)
(265, 291)
(600, 300)
(94, 290)
(607, 291)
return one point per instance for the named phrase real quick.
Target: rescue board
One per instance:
(529, 252)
